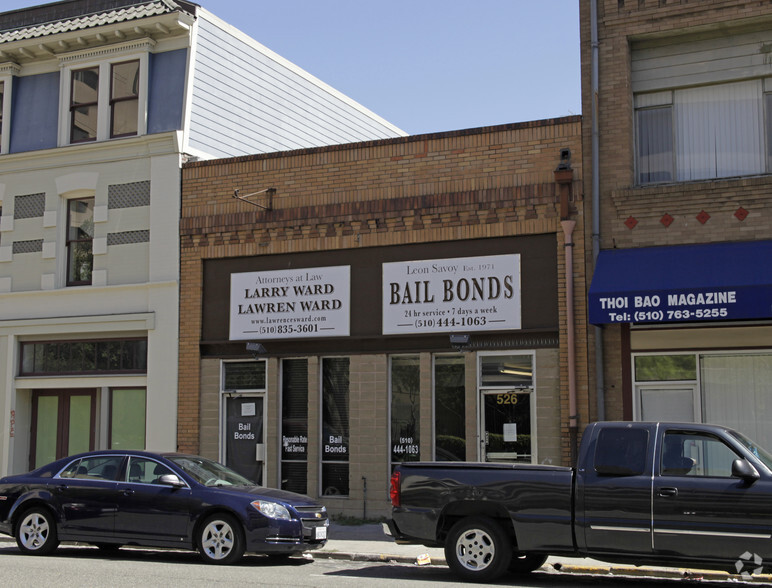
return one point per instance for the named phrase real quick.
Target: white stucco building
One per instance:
(101, 101)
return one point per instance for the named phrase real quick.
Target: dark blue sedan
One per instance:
(114, 498)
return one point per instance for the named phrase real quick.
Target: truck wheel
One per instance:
(478, 550)
(524, 563)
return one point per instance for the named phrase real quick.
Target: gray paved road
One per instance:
(73, 566)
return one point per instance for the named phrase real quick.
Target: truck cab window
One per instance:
(621, 452)
(696, 454)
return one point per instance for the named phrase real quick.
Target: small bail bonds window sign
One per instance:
(286, 304)
(447, 295)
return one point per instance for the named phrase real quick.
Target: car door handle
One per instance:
(667, 492)
(127, 492)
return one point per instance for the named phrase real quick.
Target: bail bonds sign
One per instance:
(446, 295)
(285, 304)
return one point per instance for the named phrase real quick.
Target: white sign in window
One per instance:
(286, 304)
(451, 295)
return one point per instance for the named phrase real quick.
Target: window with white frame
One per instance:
(725, 388)
(84, 101)
(701, 104)
(124, 98)
(105, 99)
(707, 132)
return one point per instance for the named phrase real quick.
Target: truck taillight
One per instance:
(394, 489)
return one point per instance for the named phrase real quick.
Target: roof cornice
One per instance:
(93, 32)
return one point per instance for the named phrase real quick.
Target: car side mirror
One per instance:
(741, 468)
(171, 480)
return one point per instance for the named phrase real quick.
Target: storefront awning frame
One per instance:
(682, 283)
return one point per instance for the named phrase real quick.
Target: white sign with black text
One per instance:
(286, 304)
(451, 295)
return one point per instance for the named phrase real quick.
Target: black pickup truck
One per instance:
(688, 495)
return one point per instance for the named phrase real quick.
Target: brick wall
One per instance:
(694, 212)
(471, 184)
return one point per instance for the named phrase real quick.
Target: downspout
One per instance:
(600, 395)
(564, 176)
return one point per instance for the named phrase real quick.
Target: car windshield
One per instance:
(208, 472)
(759, 452)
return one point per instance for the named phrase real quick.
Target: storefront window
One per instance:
(335, 426)
(244, 375)
(665, 368)
(736, 393)
(449, 408)
(83, 357)
(405, 408)
(127, 418)
(294, 425)
(732, 390)
(506, 371)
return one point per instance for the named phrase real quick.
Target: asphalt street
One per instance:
(353, 551)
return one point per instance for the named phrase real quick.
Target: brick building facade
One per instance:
(681, 289)
(438, 326)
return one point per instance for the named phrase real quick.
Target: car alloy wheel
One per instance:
(36, 532)
(220, 540)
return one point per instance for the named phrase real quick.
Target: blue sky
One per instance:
(425, 65)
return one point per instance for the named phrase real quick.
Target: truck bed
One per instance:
(537, 499)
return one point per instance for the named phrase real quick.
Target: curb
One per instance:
(373, 557)
(561, 568)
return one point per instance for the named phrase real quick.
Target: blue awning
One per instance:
(719, 281)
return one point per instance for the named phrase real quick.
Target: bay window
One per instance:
(104, 99)
(124, 98)
(84, 102)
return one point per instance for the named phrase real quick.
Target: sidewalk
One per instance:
(370, 543)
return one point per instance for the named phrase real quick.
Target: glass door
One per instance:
(506, 386)
(244, 442)
(63, 423)
(506, 426)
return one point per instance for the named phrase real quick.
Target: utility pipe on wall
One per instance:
(573, 421)
(564, 177)
(599, 383)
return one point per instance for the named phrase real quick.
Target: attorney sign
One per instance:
(285, 304)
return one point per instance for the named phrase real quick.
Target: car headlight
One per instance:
(272, 510)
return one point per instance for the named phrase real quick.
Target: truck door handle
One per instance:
(667, 492)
